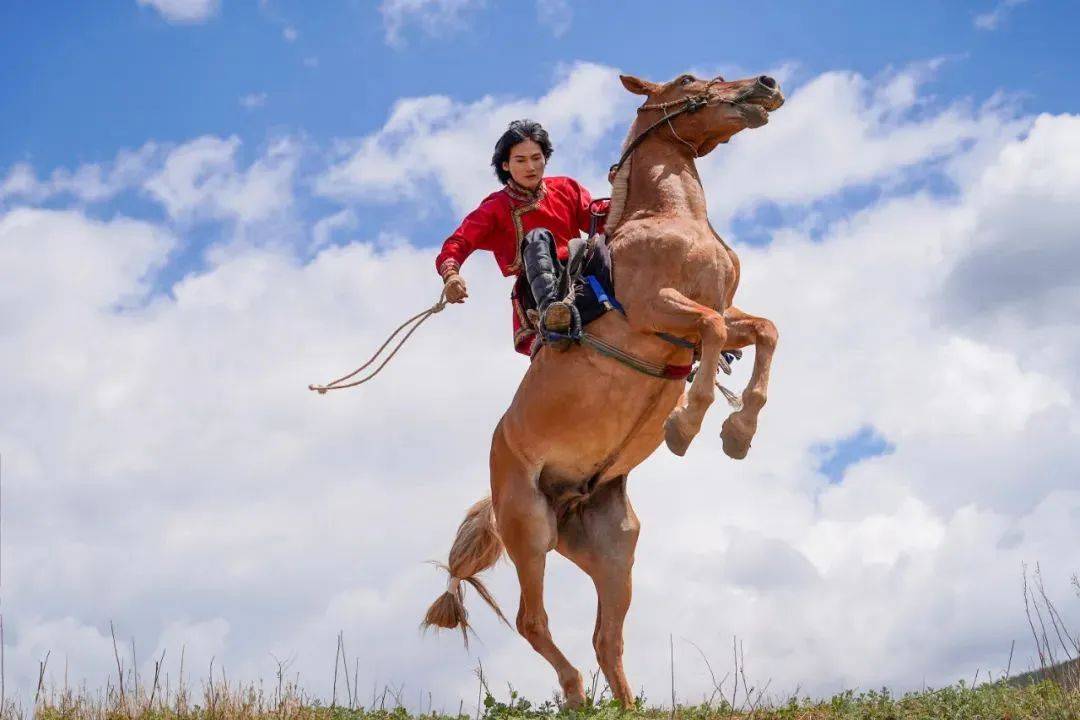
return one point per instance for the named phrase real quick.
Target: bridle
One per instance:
(689, 104)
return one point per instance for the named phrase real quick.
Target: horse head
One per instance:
(704, 113)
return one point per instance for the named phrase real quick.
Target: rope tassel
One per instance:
(412, 323)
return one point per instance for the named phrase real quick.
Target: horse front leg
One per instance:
(672, 312)
(743, 330)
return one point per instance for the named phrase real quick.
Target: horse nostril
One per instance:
(767, 82)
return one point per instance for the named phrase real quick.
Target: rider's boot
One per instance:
(542, 272)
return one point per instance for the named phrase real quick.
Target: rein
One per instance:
(690, 104)
(415, 322)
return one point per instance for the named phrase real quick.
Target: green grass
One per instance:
(1045, 699)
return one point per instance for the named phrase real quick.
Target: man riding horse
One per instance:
(583, 419)
(527, 225)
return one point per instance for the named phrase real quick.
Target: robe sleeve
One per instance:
(585, 201)
(474, 233)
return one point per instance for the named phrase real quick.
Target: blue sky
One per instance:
(87, 81)
(198, 218)
(83, 81)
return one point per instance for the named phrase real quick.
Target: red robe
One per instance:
(500, 224)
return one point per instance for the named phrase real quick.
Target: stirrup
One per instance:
(560, 340)
(558, 317)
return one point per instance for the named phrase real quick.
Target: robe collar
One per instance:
(522, 194)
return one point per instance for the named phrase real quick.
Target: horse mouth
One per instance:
(755, 109)
(755, 113)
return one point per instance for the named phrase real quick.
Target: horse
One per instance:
(581, 420)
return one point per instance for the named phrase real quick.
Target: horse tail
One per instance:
(477, 547)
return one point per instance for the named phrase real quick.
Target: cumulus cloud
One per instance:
(436, 141)
(88, 183)
(324, 229)
(434, 17)
(187, 470)
(202, 179)
(184, 11)
(843, 130)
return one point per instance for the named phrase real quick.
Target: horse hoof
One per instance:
(676, 438)
(574, 692)
(736, 438)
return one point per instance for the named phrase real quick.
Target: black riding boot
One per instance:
(543, 272)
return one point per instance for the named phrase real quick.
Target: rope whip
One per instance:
(415, 321)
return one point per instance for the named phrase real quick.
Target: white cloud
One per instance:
(437, 141)
(88, 183)
(556, 15)
(183, 423)
(323, 231)
(842, 130)
(201, 179)
(184, 11)
(435, 17)
(992, 19)
(253, 100)
(20, 180)
(289, 33)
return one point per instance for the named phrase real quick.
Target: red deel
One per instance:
(500, 222)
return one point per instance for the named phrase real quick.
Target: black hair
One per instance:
(519, 131)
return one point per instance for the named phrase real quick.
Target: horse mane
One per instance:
(620, 186)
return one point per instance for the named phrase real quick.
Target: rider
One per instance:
(527, 225)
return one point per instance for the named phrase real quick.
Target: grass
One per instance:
(1052, 692)
(1042, 699)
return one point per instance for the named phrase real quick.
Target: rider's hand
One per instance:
(454, 287)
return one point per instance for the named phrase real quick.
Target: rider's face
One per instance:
(526, 164)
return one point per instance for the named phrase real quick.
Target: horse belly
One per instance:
(577, 411)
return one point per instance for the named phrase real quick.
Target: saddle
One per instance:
(585, 284)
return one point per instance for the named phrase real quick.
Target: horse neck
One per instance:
(664, 181)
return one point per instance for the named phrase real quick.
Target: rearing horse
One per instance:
(580, 420)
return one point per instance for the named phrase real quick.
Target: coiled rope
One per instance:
(415, 321)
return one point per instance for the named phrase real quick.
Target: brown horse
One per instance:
(580, 420)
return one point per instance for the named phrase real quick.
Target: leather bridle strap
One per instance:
(689, 104)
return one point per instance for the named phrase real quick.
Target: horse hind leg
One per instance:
(674, 313)
(600, 539)
(527, 526)
(744, 330)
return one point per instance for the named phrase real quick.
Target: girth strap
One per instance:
(676, 340)
(666, 372)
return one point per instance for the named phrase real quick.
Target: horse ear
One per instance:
(637, 85)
